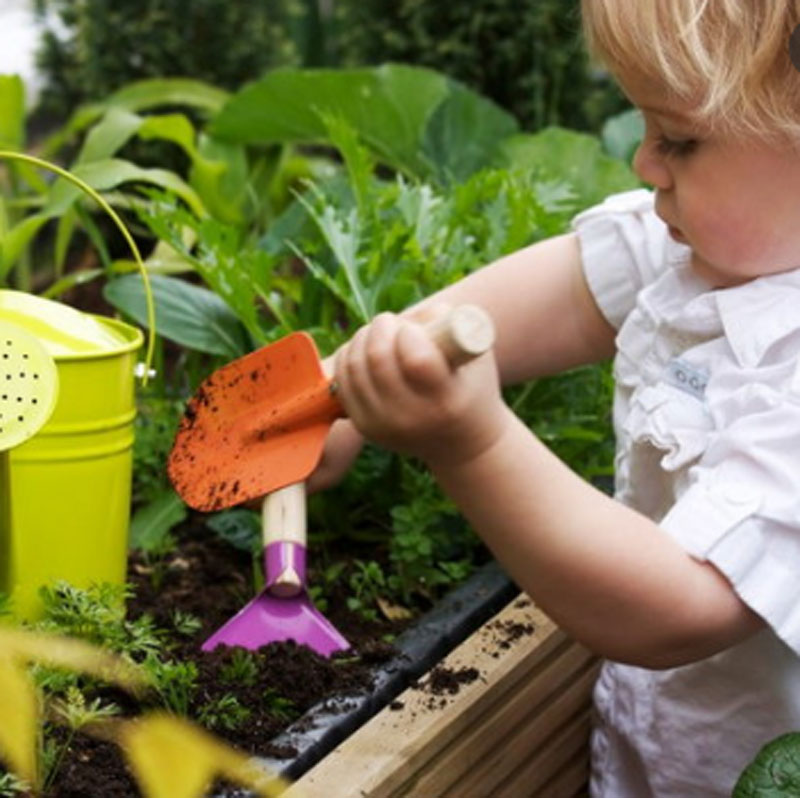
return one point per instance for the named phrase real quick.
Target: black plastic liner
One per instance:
(420, 647)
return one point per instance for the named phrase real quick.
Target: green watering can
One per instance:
(67, 409)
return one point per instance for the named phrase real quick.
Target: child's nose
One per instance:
(650, 166)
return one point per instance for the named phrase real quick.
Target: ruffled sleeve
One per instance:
(741, 508)
(624, 246)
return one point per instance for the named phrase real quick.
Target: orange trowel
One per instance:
(259, 423)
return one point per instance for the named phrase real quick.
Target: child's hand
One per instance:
(342, 447)
(400, 392)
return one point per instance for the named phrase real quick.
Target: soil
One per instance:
(210, 580)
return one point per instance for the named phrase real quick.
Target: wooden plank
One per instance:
(572, 781)
(379, 756)
(391, 753)
(564, 750)
(524, 757)
(484, 754)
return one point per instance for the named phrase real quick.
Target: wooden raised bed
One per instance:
(520, 729)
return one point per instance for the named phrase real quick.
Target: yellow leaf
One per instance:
(65, 652)
(393, 612)
(18, 722)
(173, 758)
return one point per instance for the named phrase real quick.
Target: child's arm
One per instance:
(609, 576)
(545, 318)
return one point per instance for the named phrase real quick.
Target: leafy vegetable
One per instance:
(775, 772)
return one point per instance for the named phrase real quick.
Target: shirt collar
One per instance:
(760, 313)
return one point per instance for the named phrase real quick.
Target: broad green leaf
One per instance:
(141, 96)
(113, 131)
(187, 314)
(4, 220)
(464, 134)
(110, 173)
(171, 127)
(220, 174)
(15, 241)
(389, 106)
(74, 278)
(577, 158)
(775, 772)
(239, 527)
(18, 719)
(145, 94)
(12, 112)
(151, 524)
(622, 133)
(64, 232)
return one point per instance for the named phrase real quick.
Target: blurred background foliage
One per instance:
(526, 56)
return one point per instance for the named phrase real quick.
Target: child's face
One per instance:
(735, 202)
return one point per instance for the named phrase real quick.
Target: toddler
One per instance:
(687, 581)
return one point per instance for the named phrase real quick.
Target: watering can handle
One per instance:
(89, 191)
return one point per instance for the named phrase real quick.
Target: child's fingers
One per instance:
(365, 364)
(380, 352)
(422, 363)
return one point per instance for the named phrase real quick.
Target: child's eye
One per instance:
(678, 147)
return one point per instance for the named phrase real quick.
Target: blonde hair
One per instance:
(728, 58)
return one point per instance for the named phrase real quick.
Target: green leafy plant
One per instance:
(154, 427)
(167, 755)
(97, 615)
(174, 682)
(225, 712)
(280, 707)
(11, 786)
(775, 771)
(186, 624)
(75, 713)
(241, 670)
(367, 585)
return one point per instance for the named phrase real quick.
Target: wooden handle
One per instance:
(283, 521)
(283, 515)
(462, 334)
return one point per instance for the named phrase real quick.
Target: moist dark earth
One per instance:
(211, 580)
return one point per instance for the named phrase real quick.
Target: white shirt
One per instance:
(707, 419)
